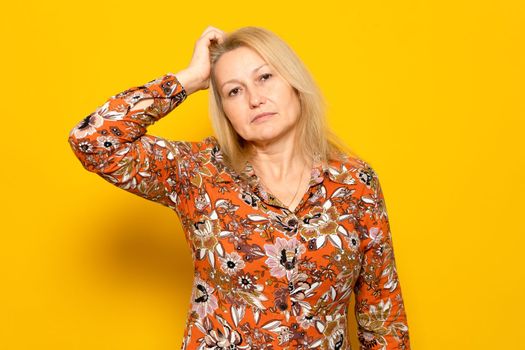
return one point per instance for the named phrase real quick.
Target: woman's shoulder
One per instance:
(200, 146)
(206, 151)
(346, 160)
(350, 168)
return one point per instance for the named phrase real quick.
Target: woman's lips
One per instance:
(262, 116)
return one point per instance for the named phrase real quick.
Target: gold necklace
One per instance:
(296, 190)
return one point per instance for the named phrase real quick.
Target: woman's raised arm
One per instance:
(112, 140)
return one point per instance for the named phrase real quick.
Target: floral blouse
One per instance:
(265, 277)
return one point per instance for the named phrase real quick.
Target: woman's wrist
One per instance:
(189, 81)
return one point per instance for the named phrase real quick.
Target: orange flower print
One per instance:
(232, 263)
(88, 126)
(204, 302)
(283, 256)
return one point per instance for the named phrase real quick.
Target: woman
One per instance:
(283, 224)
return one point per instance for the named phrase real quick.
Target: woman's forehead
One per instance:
(237, 63)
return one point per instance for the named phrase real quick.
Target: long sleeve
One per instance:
(379, 308)
(112, 141)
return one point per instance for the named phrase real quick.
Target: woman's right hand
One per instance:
(196, 76)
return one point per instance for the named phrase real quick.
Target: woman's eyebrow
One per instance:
(253, 71)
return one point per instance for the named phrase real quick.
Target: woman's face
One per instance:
(249, 89)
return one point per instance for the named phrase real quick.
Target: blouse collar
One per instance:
(335, 170)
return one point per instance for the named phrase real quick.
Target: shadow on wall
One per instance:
(142, 246)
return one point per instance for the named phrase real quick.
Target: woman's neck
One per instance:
(278, 161)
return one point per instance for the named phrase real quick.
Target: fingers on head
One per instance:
(213, 33)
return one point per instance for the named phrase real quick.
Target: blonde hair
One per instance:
(314, 138)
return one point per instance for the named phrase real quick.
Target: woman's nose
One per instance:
(256, 99)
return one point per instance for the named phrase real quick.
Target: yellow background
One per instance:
(430, 93)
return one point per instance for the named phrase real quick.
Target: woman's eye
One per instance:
(232, 91)
(235, 91)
